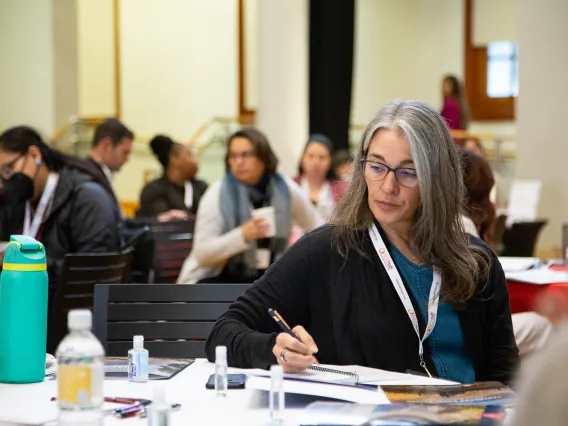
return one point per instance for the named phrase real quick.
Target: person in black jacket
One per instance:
(394, 282)
(47, 199)
(111, 148)
(177, 193)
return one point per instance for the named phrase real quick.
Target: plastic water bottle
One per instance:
(80, 373)
(138, 361)
(23, 311)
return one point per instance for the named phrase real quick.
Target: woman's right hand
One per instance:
(255, 229)
(299, 354)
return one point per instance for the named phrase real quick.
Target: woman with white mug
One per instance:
(231, 242)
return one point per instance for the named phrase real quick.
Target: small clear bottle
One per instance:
(80, 373)
(138, 361)
(221, 380)
(276, 403)
(158, 411)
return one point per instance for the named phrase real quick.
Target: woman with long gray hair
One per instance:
(394, 282)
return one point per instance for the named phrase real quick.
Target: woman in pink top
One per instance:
(316, 176)
(456, 109)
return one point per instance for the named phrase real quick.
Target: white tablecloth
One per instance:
(30, 404)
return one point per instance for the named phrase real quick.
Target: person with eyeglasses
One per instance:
(53, 198)
(244, 220)
(394, 282)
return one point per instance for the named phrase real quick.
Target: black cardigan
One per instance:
(352, 311)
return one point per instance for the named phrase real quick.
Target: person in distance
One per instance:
(52, 198)
(316, 176)
(531, 329)
(394, 282)
(177, 194)
(232, 242)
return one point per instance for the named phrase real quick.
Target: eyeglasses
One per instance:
(375, 170)
(234, 156)
(7, 171)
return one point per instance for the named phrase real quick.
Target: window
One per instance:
(502, 69)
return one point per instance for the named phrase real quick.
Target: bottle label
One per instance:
(75, 384)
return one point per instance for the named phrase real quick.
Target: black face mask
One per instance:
(19, 188)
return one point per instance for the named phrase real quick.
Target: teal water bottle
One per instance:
(23, 311)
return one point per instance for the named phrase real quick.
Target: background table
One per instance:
(523, 295)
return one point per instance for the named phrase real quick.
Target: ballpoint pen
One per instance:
(282, 323)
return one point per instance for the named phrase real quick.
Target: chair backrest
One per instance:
(76, 286)
(521, 238)
(159, 258)
(175, 319)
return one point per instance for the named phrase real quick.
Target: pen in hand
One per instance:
(285, 327)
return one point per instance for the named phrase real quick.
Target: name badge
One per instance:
(262, 258)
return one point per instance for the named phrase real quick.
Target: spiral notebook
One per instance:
(351, 375)
(327, 374)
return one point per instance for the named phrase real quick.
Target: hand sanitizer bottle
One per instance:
(138, 361)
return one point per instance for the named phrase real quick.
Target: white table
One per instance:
(30, 404)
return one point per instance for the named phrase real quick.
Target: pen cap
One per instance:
(138, 342)
(221, 354)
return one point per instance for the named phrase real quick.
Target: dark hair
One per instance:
(325, 141)
(478, 181)
(113, 129)
(163, 146)
(261, 146)
(458, 93)
(19, 139)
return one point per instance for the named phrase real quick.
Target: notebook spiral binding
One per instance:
(315, 367)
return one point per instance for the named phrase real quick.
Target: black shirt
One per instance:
(353, 312)
(161, 195)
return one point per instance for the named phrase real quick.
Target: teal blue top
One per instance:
(447, 347)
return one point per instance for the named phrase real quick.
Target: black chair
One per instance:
(159, 257)
(521, 238)
(76, 287)
(174, 319)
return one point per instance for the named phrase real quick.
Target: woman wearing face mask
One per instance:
(177, 193)
(394, 282)
(316, 177)
(56, 204)
(232, 242)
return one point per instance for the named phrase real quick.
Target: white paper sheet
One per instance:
(344, 393)
(517, 264)
(538, 276)
(523, 201)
